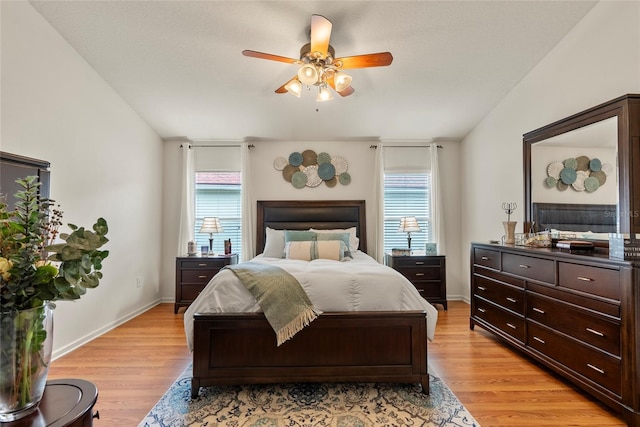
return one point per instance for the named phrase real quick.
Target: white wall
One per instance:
(267, 183)
(597, 61)
(105, 161)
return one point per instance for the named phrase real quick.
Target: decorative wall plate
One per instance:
(554, 169)
(279, 163)
(340, 164)
(607, 168)
(568, 175)
(295, 159)
(324, 158)
(591, 184)
(299, 179)
(600, 176)
(309, 169)
(582, 163)
(313, 180)
(309, 157)
(326, 171)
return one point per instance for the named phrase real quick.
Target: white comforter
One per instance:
(358, 285)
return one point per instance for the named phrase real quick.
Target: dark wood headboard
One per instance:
(575, 217)
(305, 214)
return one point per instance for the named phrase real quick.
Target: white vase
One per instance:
(509, 232)
(26, 339)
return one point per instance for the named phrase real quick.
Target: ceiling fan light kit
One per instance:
(319, 66)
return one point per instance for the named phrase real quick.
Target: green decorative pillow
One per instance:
(299, 236)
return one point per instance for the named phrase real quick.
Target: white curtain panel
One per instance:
(185, 233)
(248, 242)
(378, 237)
(437, 216)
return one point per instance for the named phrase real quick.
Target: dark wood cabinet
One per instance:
(194, 272)
(427, 273)
(576, 314)
(13, 166)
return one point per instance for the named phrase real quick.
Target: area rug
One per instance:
(308, 405)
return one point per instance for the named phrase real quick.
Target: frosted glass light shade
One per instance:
(324, 94)
(308, 74)
(294, 87)
(342, 81)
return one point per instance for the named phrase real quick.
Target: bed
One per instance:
(238, 347)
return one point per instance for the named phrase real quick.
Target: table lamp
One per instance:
(407, 225)
(211, 225)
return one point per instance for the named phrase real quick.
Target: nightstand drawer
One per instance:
(197, 276)
(191, 292)
(204, 264)
(421, 273)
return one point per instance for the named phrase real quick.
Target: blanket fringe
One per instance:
(296, 325)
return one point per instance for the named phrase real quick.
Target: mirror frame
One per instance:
(627, 109)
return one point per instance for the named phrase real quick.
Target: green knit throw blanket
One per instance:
(280, 296)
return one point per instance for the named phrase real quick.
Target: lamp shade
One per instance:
(342, 81)
(308, 74)
(211, 225)
(409, 224)
(294, 87)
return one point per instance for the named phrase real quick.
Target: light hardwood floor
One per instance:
(134, 364)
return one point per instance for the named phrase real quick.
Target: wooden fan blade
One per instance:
(364, 61)
(261, 55)
(282, 88)
(348, 91)
(320, 34)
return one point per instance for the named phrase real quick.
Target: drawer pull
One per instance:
(482, 288)
(511, 325)
(540, 340)
(585, 279)
(513, 300)
(482, 310)
(524, 266)
(485, 258)
(202, 277)
(595, 368)
(593, 331)
(537, 310)
(419, 262)
(202, 265)
(419, 274)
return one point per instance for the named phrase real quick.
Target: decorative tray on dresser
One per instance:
(577, 314)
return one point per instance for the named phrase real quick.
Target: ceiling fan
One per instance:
(319, 66)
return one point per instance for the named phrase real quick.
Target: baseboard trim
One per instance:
(95, 334)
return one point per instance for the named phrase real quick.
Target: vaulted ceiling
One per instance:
(179, 63)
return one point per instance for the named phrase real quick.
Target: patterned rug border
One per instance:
(339, 405)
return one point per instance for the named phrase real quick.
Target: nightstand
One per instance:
(427, 273)
(194, 272)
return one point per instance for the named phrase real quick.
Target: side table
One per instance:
(428, 273)
(65, 403)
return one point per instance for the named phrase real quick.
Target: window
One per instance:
(406, 194)
(218, 194)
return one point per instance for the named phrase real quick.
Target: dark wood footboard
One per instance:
(240, 348)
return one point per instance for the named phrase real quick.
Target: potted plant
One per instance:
(36, 269)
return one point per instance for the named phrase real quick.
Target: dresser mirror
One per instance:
(595, 196)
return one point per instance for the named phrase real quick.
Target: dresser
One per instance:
(428, 273)
(194, 272)
(576, 314)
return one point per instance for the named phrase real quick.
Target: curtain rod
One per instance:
(405, 146)
(218, 146)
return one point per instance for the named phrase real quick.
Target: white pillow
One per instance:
(307, 250)
(353, 240)
(274, 245)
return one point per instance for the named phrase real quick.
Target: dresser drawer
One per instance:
(504, 320)
(504, 295)
(197, 276)
(497, 276)
(598, 367)
(604, 282)
(486, 258)
(529, 267)
(574, 321)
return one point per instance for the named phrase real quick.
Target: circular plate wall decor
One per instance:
(578, 184)
(279, 163)
(582, 163)
(344, 178)
(550, 182)
(313, 180)
(299, 179)
(324, 158)
(554, 169)
(309, 157)
(591, 184)
(607, 168)
(568, 175)
(340, 164)
(288, 172)
(570, 163)
(595, 165)
(331, 182)
(561, 186)
(326, 171)
(600, 176)
(295, 159)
